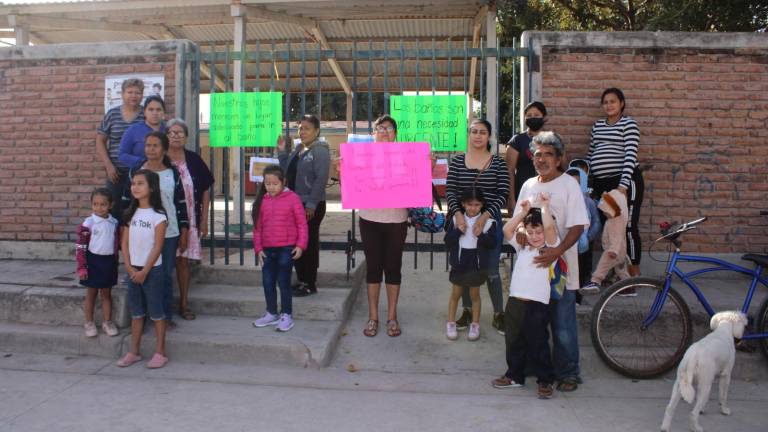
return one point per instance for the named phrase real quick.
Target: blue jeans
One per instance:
(278, 265)
(170, 245)
(150, 293)
(565, 340)
(494, 279)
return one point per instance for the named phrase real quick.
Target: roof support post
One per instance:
(481, 15)
(491, 81)
(20, 30)
(236, 154)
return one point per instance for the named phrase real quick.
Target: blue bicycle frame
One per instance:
(717, 265)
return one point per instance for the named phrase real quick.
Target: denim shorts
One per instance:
(149, 293)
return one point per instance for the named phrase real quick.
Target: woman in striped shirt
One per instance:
(479, 168)
(613, 164)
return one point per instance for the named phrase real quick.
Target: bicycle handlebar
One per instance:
(673, 233)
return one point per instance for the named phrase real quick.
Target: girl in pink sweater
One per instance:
(279, 237)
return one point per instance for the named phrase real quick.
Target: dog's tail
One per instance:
(685, 378)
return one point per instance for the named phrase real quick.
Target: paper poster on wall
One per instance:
(257, 167)
(440, 172)
(251, 119)
(113, 88)
(385, 175)
(439, 120)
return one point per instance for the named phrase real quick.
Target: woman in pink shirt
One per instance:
(279, 237)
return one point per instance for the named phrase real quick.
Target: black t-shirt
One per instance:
(290, 174)
(524, 169)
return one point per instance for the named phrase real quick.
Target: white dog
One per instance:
(712, 355)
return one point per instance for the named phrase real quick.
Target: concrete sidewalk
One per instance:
(418, 381)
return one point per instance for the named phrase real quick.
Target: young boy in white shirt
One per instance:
(526, 316)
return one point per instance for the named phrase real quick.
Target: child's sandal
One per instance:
(372, 328)
(393, 328)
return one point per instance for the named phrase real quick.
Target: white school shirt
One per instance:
(468, 240)
(141, 236)
(567, 206)
(529, 281)
(102, 240)
(167, 190)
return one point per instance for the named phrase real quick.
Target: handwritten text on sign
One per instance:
(246, 119)
(439, 120)
(385, 175)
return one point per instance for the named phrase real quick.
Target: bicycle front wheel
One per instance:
(762, 327)
(627, 346)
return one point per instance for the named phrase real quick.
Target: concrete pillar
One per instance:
(21, 31)
(492, 73)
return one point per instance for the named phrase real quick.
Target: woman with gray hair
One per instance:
(197, 180)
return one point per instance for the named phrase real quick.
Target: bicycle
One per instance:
(660, 320)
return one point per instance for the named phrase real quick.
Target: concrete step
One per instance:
(206, 340)
(248, 301)
(64, 340)
(56, 305)
(331, 274)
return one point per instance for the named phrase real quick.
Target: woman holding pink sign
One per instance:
(383, 234)
(481, 169)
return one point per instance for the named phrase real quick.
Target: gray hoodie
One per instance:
(311, 172)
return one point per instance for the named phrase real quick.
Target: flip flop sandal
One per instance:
(188, 315)
(393, 328)
(371, 328)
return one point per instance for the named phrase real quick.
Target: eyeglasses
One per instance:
(385, 129)
(175, 133)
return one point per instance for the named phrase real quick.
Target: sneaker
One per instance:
(450, 330)
(503, 382)
(474, 332)
(285, 323)
(266, 320)
(157, 361)
(590, 288)
(304, 290)
(628, 292)
(498, 322)
(109, 328)
(90, 329)
(463, 322)
(545, 391)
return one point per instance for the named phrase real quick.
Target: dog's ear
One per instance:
(715, 321)
(739, 324)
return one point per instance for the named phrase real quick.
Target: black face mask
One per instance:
(534, 123)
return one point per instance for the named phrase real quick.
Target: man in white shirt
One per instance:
(571, 218)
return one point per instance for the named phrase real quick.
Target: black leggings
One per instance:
(383, 247)
(634, 202)
(306, 266)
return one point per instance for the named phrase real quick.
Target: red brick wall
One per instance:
(702, 116)
(50, 110)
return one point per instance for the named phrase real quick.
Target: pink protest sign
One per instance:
(385, 175)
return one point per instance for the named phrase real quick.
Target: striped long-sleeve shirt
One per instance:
(493, 182)
(613, 149)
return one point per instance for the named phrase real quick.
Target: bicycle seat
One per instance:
(757, 259)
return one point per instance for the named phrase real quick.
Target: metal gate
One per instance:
(306, 73)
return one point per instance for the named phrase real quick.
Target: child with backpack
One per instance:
(468, 255)
(96, 254)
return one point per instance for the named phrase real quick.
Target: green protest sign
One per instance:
(439, 120)
(246, 119)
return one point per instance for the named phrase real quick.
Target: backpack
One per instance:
(426, 219)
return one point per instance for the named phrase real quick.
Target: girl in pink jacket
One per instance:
(279, 238)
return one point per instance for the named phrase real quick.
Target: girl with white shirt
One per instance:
(142, 244)
(97, 260)
(468, 257)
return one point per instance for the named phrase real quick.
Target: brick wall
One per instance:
(50, 109)
(702, 115)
